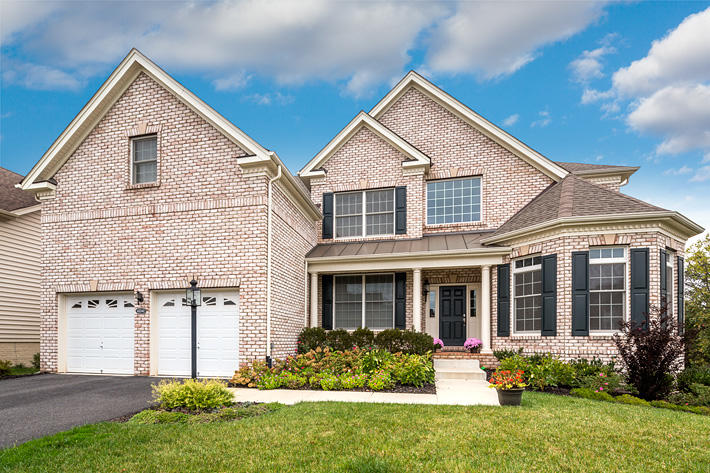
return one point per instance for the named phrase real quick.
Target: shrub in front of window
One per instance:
(192, 394)
(413, 370)
(363, 338)
(311, 338)
(650, 354)
(405, 341)
(507, 353)
(339, 340)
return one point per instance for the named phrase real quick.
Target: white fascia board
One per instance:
(363, 119)
(505, 139)
(134, 63)
(684, 222)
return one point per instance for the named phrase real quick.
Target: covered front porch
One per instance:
(443, 291)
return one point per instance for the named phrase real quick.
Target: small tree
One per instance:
(697, 302)
(650, 353)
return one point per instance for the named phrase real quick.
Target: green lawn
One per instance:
(548, 433)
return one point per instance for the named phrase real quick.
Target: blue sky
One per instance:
(611, 83)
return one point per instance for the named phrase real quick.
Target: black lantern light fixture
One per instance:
(425, 287)
(193, 299)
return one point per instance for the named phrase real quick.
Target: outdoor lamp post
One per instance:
(193, 299)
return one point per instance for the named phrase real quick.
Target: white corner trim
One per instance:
(412, 79)
(363, 119)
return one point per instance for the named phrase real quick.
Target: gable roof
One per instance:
(503, 138)
(11, 198)
(362, 119)
(39, 177)
(577, 200)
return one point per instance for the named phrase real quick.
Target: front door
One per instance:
(452, 315)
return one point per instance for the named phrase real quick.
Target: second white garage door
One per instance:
(217, 335)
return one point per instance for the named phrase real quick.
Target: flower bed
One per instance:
(358, 369)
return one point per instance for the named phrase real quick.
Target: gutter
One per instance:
(268, 267)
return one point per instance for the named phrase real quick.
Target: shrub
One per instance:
(584, 367)
(515, 363)
(404, 341)
(590, 394)
(5, 367)
(507, 353)
(151, 416)
(544, 371)
(600, 382)
(650, 353)
(270, 381)
(413, 370)
(363, 338)
(192, 394)
(339, 340)
(684, 408)
(352, 381)
(693, 375)
(250, 375)
(391, 340)
(330, 382)
(380, 380)
(632, 400)
(35, 361)
(376, 360)
(311, 338)
(696, 395)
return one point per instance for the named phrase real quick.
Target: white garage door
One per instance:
(217, 335)
(100, 334)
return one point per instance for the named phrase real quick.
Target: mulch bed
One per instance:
(125, 418)
(426, 389)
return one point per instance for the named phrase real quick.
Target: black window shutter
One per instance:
(549, 295)
(327, 294)
(681, 295)
(400, 198)
(328, 215)
(580, 293)
(503, 300)
(400, 301)
(639, 285)
(664, 282)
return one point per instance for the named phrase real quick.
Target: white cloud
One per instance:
(680, 114)
(38, 77)
(588, 65)
(678, 172)
(543, 120)
(511, 120)
(702, 174)
(236, 81)
(681, 57)
(706, 158)
(16, 16)
(494, 39)
(593, 95)
(270, 98)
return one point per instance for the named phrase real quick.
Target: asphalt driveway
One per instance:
(35, 406)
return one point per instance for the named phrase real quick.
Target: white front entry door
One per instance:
(100, 333)
(217, 335)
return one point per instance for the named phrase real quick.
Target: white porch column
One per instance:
(314, 299)
(486, 309)
(417, 301)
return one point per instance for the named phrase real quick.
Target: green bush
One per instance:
(270, 381)
(600, 382)
(330, 382)
(5, 367)
(353, 381)
(363, 338)
(413, 370)
(545, 371)
(311, 338)
(632, 400)
(507, 353)
(696, 395)
(675, 407)
(693, 375)
(404, 341)
(375, 360)
(250, 375)
(151, 416)
(584, 367)
(589, 394)
(380, 380)
(35, 361)
(515, 363)
(339, 340)
(192, 394)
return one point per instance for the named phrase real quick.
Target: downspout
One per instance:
(268, 268)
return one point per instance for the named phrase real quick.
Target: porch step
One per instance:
(450, 369)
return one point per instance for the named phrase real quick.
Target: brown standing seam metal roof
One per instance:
(585, 168)
(574, 197)
(12, 198)
(428, 243)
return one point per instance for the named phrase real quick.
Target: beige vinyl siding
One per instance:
(20, 260)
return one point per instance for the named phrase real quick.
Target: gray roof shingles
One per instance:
(12, 198)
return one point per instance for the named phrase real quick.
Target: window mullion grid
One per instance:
(363, 232)
(364, 301)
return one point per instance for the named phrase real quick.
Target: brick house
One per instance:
(419, 214)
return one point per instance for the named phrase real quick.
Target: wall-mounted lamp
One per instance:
(139, 297)
(425, 287)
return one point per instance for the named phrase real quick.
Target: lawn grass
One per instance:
(548, 433)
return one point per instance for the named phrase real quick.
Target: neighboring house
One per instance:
(20, 255)
(419, 214)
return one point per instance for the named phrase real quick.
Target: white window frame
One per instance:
(627, 301)
(364, 214)
(363, 300)
(525, 269)
(426, 201)
(133, 140)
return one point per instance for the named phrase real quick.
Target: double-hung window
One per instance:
(364, 213)
(453, 201)
(527, 287)
(364, 301)
(668, 301)
(607, 288)
(144, 159)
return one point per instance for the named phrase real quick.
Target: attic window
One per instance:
(144, 159)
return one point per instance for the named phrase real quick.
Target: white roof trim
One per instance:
(363, 119)
(109, 92)
(21, 211)
(500, 136)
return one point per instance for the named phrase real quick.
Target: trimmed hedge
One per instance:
(635, 401)
(392, 340)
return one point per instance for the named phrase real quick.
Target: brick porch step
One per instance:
(484, 359)
(459, 369)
